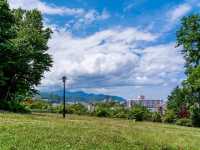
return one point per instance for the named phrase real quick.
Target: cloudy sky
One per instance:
(118, 47)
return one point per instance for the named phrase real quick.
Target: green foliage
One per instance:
(14, 107)
(78, 109)
(188, 37)
(110, 109)
(176, 99)
(23, 51)
(139, 113)
(106, 109)
(7, 21)
(195, 115)
(184, 122)
(6, 34)
(169, 116)
(39, 104)
(102, 112)
(192, 83)
(120, 112)
(156, 117)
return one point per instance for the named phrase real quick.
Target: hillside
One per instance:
(51, 132)
(80, 96)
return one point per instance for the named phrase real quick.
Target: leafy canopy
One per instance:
(23, 51)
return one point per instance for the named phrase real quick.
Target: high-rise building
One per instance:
(152, 105)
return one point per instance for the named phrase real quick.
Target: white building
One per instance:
(152, 105)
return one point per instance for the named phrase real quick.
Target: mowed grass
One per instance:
(52, 132)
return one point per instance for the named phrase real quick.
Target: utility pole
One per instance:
(64, 80)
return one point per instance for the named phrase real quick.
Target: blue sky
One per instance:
(118, 47)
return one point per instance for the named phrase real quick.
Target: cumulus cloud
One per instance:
(172, 17)
(179, 12)
(110, 58)
(84, 17)
(160, 62)
(90, 17)
(44, 8)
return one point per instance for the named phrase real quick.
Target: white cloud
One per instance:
(173, 16)
(110, 58)
(44, 8)
(129, 7)
(90, 17)
(179, 12)
(161, 63)
(84, 17)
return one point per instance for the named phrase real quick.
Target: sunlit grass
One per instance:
(52, 132)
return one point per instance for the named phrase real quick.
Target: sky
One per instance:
(118, 47)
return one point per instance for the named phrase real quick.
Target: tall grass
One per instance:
(51, 132)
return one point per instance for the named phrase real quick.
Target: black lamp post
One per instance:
(64, 78)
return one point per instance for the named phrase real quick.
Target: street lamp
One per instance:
(64, 78)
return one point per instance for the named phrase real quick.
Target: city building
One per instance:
(152, 105)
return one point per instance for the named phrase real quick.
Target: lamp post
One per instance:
(64, 78)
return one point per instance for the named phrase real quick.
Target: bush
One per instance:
(184, 122)
(120, 112)
(195, 115)
(156, 117)
(139, 113)
(14, 106)
(169, 117)
(110, 109)
(183, 112)
(37, 104)
(102, 112)
(78, 109)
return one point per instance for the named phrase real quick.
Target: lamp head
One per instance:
(64, 78)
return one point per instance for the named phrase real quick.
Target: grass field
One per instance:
(51, 132)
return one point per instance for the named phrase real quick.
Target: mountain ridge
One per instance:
(78, 96)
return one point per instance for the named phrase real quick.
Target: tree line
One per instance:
(24, 59)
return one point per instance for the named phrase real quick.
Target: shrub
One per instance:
(78, 109)
(14, 106)
(120, 112)
(156, 117)
(184, 122)
(139, 113)
(183, 112)
(37, 104)
(195, 115)
(169, 117)
(110, 109)
(102, 112)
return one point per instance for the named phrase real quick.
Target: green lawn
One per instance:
(51, 132)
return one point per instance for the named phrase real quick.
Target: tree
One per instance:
(176, 99)
(195, 115)
(188, 36)
(192, 83)
(23, 63)
(6, 34)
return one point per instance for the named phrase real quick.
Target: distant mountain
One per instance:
(78, 96)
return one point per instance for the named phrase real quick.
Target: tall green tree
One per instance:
(192, 84)
(188, 37)
(6, 34)
(23, 64)
(176, 99)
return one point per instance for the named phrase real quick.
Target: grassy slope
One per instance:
(51, 132)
